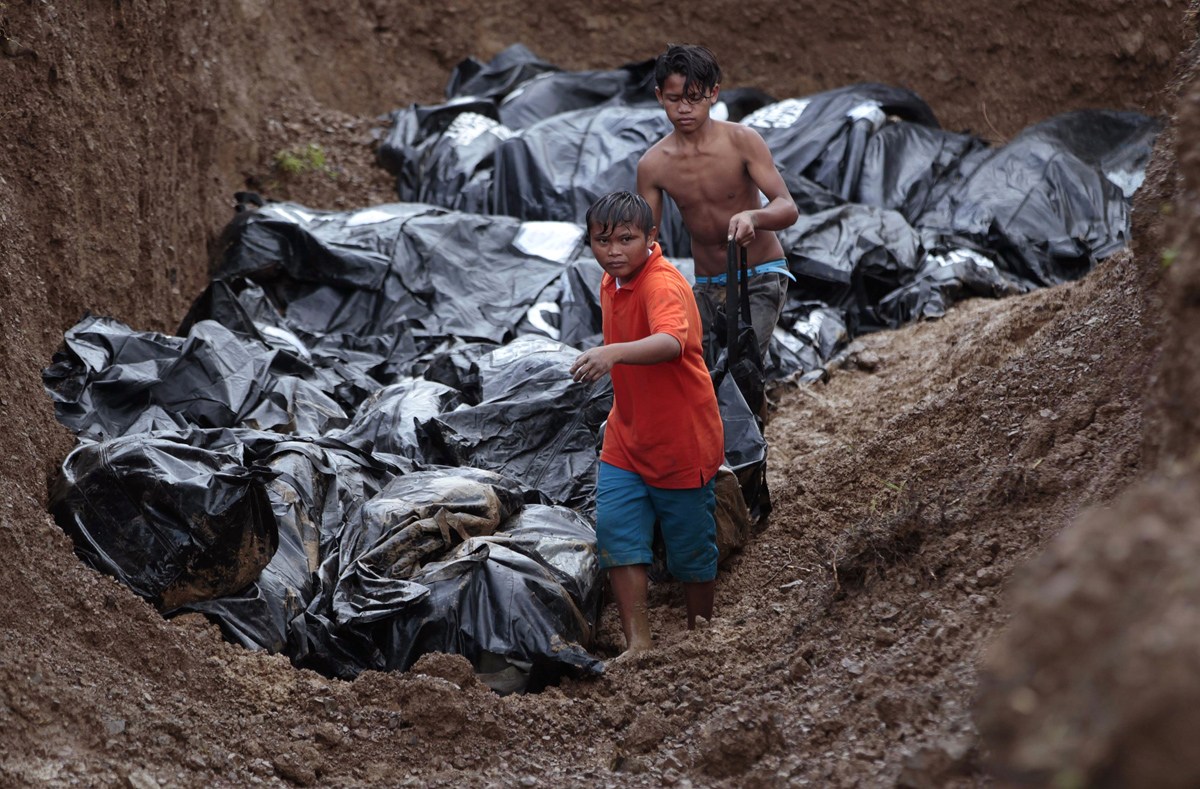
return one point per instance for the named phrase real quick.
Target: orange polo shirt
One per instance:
(664, 424)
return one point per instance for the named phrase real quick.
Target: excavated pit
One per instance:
(850, 634)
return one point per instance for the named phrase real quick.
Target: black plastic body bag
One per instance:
(741, 390)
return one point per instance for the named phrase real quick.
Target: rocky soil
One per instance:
(980, 569)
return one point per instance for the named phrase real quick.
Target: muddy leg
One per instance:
(629, 585)
(699, 601)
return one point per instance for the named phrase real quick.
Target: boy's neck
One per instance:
(696, 136)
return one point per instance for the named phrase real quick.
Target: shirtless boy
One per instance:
(714, 171)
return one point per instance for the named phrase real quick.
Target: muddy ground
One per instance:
(980, 570)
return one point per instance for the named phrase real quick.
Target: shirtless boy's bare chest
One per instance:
(697, 180)
(708, 186)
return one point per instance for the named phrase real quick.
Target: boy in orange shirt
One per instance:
(664, 441)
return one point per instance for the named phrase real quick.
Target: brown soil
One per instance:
(981, 564)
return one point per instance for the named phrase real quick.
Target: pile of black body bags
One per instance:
(363, 443)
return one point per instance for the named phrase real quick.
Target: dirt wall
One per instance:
(1092, 682)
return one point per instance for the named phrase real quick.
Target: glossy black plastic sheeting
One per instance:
(419, 401)
(900, 217)
(259, 461)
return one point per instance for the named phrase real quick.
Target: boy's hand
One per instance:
(593, 364)
(741, 228)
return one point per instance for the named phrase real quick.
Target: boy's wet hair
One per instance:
(620, 208)
(695, 63)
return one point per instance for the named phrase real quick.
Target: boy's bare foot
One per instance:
(640, 643)
(629, 584)
(629, 656)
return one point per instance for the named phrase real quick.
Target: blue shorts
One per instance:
(626, 508)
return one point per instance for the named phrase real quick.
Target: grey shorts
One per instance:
(767, 292)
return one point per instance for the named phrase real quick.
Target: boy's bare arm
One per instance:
(647, 186)
(595, 363)
(780, 211)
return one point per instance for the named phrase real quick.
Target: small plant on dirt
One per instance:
(886, 499)
(1169, 256)
(297, 161)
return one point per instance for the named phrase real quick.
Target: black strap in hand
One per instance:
(737, 298)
